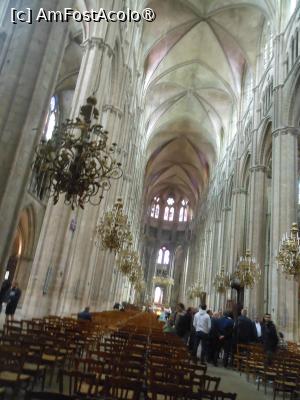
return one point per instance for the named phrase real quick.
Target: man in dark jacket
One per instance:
(85, 315)
(269, 338)
(244, 328)
(225, 326)
(214, 341)
(183, 325)
(13, 299)
(4, 292)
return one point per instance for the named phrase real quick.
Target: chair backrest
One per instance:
(122, 389)
(165, 391)
(219, 395)
(47, 396)
(209, 383)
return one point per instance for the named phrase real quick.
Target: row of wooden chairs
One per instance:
(91, 362)
(281, 370)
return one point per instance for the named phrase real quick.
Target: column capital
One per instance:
(258, 168)
(99, 43)
(292, 130)
(113, 109)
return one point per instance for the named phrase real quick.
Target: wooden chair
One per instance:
(219, 395)
(165, 391)
(11, 368)
(48, 396)
(209, 383)
(33, 366)
(286, 383)
(122, 389)
(166, 375)
(77, 383)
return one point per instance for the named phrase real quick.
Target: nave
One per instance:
(125, 356)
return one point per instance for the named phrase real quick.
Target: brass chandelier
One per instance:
(163, 280)
(127, 259)
(248, 271)
(77, 161)
(289, 253)
(136, 274)
(222, 281)
(113, 231)
(140, 285)
(195, 290)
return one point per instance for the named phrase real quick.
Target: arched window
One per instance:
(158, 295)
(163, 256)
(267, 44)
(155, 208)
(293, 4)
(39, 183)
(183, 212)
(247, 88)
(169, 210)
(51, 119)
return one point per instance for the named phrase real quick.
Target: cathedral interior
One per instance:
(193, 195)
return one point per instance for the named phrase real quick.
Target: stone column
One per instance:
(66, 255)
(30, 67)
(257, 235)
(239, 200)
(283, 292)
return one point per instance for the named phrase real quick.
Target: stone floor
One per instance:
(232, 381)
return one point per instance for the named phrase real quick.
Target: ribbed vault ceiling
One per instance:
(195, 53)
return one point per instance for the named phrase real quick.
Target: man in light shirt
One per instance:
(257, 330)
(202, 325)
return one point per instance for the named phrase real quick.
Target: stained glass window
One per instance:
(163, 256)
(183, 212)
(51, 119)
(169, 210)
(155, 208)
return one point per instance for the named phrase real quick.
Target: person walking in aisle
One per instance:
(13, 299)
(202, 325)
(4, 292)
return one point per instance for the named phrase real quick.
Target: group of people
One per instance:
(220, 333)
(9, 294)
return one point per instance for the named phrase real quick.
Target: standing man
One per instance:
(225, 325)
(4, 292)
(269, 338)
(244, 328)
(214, 342)
(202, 325)
(257, 330)
(85, 315)
(13, 299)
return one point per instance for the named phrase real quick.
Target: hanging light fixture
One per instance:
(77, 161)
(136, 274)
(289, 253)
(248, 271)
(163, 280)
(140, 285)
(195, 290)
(222, 281)
(127, 259)
(113, 231)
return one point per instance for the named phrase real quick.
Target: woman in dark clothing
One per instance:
(13, 299)
(4, 291)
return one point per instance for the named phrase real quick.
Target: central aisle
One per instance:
(232, 381)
